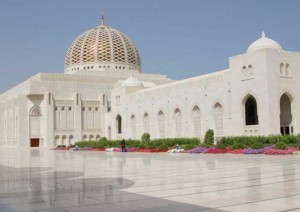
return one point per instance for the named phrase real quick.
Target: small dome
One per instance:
(264, 43)
(132, 82)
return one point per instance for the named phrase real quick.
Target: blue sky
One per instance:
(177, 38)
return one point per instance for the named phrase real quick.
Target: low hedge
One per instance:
(154, 144)
(258, 142)
(234, 142)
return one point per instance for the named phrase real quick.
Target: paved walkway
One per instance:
(45, 180)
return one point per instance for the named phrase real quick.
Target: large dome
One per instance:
(102, 48)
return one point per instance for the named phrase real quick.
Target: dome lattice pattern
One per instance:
(102, 47)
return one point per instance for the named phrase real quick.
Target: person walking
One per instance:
(123, 145)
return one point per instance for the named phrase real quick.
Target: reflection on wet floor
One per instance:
(45, 180)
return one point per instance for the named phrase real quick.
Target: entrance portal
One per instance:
(34, 142)
(286, 118)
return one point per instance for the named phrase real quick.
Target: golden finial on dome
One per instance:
(102, 19)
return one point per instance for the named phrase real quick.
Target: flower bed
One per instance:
(269, 150)
(236, 151)
(197, 150)
(215, 151)
(134, 149)
(288, 151)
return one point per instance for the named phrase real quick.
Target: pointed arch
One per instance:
(71, 140)
(146, 123)
(56, 141)
(286, 117)
(35, 111)
(218, 118)
(161, 124)
(119, 124)
(281, 69)
(178, 122)
(287, 70)
(250, 108)
(64, 140)
(133, 126)
(196, 121)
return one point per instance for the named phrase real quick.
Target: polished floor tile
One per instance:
(45, 181)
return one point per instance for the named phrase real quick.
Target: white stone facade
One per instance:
(257, 95)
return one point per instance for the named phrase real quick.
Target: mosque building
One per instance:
(104, 93)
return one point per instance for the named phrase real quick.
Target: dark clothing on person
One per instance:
(123, 145)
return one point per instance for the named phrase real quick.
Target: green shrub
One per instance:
(209, 138)
(145, 137)
(58, 146)
(281, 145)
(163, 147)
(257, 145)
(237, 146)
(220, 145)
(150, 145)
(141, 146)
(188, 146)
(103, 139)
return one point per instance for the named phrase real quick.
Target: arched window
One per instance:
(97, 137)
(64, 140)
(287, 70)
(281, 69)
(119, 124)
(146, 123)
(84, 138)
(91, 137)
(161, 124)
(56, 141)
(36, 111)
(196, 121)
(250, 70)
(218, 118)
(177, 120)
(71, 140)
(286, 118)
(133, 126)
(251, 116)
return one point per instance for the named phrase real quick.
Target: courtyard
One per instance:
(47, 180)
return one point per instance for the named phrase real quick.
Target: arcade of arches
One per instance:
(250, 116)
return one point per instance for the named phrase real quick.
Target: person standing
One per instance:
(123, 145)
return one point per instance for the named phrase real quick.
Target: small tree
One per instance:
(209, 138)
(145, 137)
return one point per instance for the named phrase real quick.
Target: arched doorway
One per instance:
(119, 124)
(251, 117)
(286, 118)
(35, 123)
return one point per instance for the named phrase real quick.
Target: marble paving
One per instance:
(42, 180)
